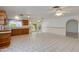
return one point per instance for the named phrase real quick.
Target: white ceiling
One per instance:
(39, 11)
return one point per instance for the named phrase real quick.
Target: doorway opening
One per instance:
(72, 28)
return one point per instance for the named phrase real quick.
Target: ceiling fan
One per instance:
(59, 10)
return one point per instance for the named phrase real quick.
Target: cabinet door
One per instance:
(2, 20)
(3, 17)
(25, 22)
(20, 31)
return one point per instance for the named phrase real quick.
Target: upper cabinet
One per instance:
(3, 17)
(25, 22)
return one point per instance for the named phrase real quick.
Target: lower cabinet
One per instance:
(20, 31)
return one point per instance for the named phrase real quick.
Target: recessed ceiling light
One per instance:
(16, 17)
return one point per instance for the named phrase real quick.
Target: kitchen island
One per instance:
(19, 30)
(5, 37)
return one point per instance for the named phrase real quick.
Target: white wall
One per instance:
(59, 22)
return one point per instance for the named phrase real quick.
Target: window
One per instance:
(14, 23)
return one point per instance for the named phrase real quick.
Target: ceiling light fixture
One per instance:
(16, 17)
(28, 16)
(59, 12)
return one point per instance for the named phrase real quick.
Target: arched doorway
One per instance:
(72, 28)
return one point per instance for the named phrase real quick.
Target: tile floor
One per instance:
(42, 42)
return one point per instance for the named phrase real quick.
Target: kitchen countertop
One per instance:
(5, 31)
(8, 30)
(20, 27)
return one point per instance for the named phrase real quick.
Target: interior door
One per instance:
(72, 28)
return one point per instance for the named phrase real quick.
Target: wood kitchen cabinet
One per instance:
(5, 37)
(25, 22)
(20, 31)
(3, 17)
